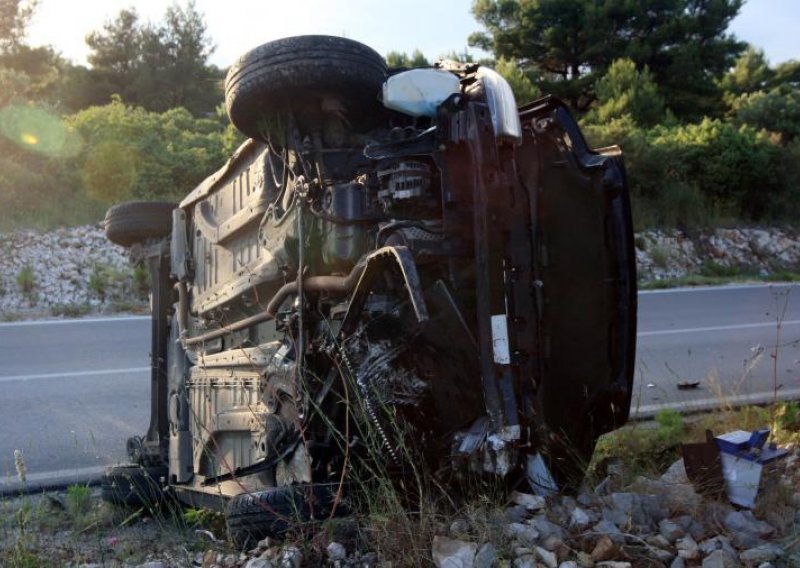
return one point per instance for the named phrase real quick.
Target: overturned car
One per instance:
(399, 266)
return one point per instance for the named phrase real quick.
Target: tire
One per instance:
(253, 516)
(285, 74)
(135, 221)
(133, 485)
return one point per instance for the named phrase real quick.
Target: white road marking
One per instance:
(72, 321)
(716, 328)
(722, 287)
(11, 378)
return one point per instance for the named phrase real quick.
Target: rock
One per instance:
(152, 564)
(548, 558)
(258, 563)
(760, 554)
(526, 534)
(631, 509)
(610, 530)
(516, 514)
(720, 559)
(450, 553)
(746, 531)
(522, 551)
(670, 530)
(585, 560)
(459, 527)
(718, 542)
(660, 554)
(613, 564)
(689, 524)
(687, 548)
(586, 499)
(545, 528)
(552, 543)
(291, 557)
(530, 502)
(678, 562)
(658, 541)
(336, 551)
(605, 549)
(578, 519)
(527, 561)
(568, 564)
(486, 557)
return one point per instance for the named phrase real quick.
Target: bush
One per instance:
(703, 173)
(131, 153)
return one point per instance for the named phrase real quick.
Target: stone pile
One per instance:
(61, 262)
(39, 271)
(663, 254)
(648, 522)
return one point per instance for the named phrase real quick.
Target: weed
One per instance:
(787, 416)
(670, 426)
(206, 519)
(26, 281)
(99, 281)
(141, 281)
(78, 500)
(660, 256)
(714, 269)
(70, 310)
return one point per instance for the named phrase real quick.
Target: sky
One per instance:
(436, 27)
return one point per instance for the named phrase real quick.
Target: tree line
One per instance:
(709, 128)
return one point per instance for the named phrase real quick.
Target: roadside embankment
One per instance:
(75, 271)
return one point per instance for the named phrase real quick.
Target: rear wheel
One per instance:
(291, 73)
(135, 221)
(133, 485)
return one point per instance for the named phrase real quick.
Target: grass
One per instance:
(70, 310)
(76, 527)
(711, 280)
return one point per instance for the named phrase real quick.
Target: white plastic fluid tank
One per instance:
(418, 92)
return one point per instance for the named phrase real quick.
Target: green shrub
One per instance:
(78, 499)
(26, 280)
(705, 173)
(131, 153)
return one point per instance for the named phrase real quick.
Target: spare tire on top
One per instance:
(286, 74)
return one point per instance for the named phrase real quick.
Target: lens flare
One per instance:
(36, 129)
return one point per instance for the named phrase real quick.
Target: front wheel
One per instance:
(273, 512)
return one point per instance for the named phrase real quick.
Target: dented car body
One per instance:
(443, 268)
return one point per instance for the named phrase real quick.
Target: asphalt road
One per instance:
(74, 391)
(723, 338)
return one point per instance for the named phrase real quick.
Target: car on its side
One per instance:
(399, 267)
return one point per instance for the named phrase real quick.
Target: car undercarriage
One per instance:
(431, 278)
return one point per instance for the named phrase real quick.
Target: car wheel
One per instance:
(273, 512)
(287, 73)
(135, 221)
(133, 485)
